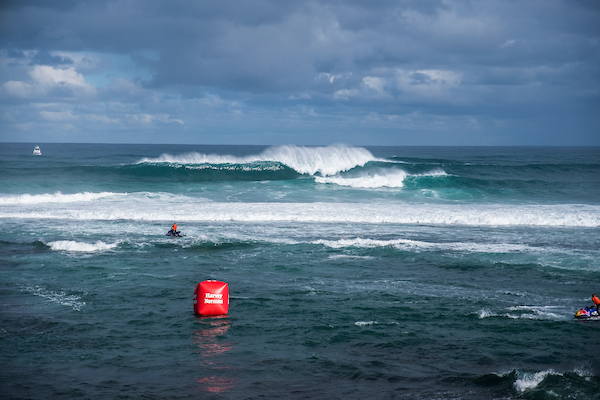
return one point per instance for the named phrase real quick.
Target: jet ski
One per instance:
(175, 233)
(587, 313)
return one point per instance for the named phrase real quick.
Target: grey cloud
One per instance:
(46, 58)
(331, 61)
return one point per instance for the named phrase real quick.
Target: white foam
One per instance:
(57, 197)
(383, 178)
(375, 179)
(534, 313)
(365, 323)
(413, 245)
(364, 243)
(69, 245)
(163, 206)
(347, 256)
(61, 298)
(528, 381)
(485, 313)
(541, 313)
(435, 172)
(328, 160)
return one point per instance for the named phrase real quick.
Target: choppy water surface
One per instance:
(388, 272)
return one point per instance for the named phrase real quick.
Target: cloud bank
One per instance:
(373, 72)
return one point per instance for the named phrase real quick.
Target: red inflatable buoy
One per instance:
(211, 298)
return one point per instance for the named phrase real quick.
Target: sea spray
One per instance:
(324, 160)
(328, 160)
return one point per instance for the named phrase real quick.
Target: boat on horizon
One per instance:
(37, 151)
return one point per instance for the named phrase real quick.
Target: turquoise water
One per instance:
(378, 272)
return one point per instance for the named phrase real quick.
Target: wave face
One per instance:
(304, 160)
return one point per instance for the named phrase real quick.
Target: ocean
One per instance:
(354, 272)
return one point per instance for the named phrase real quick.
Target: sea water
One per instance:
(354, 272)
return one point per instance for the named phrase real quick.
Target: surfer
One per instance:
(596, 301)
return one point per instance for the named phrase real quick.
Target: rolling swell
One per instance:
(273, 164)
(458, 181)
(8, 248)
(157, 172)
(454, 187)
(175, 172)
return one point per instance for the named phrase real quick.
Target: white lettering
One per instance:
(213, 296)
(213, 301)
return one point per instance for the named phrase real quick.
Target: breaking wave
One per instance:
(530, 380)
(391, 178)
(138, 206)
(329, 160)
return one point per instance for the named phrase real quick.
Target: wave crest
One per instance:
(329, 160)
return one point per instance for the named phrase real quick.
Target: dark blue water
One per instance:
(387, 272)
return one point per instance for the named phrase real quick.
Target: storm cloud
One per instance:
(447, 72)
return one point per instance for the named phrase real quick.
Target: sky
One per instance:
(321, 72)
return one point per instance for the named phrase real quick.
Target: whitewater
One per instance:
(411, 272)
(142, 207)
(305, 160)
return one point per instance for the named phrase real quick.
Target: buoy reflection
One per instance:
(208, 339)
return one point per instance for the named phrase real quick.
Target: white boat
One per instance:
(37, 151)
